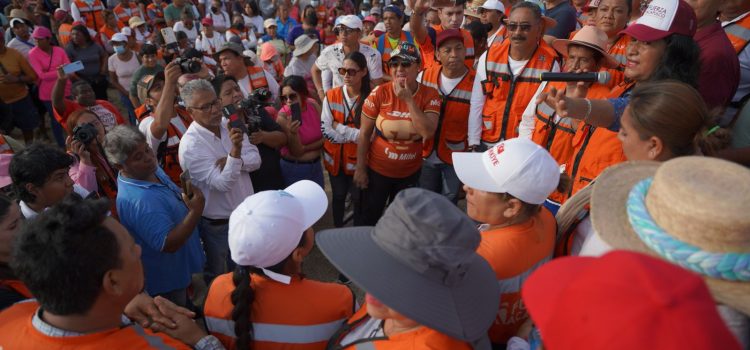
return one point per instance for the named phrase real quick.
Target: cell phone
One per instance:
(73, 67)
(186, 184)
(235, 121)
(170, 39)
(296, 113)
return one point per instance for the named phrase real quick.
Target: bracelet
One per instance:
(588, 111)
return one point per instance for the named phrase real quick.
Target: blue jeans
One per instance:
(129, 106)
(57, 130)
(293, 172)
(440, 178)
(216, 245)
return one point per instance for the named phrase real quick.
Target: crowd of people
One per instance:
(501, 174)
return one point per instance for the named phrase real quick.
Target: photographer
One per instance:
(264, 132)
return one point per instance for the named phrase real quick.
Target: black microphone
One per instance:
(589, 77)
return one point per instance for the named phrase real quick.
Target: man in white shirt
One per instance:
(492, 12)
(208, 42)
(23, 42)
(332, 57)
(219, 161)
(250, 78)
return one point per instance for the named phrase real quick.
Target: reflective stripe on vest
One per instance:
(365, 346)
(739, 34)
(279, 333)
(336, 155)
(152, 340)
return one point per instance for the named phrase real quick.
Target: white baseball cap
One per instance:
(119, 37)
(267, 226)
(126, 31)
(518, 167)
(493, 5)
(351, 21)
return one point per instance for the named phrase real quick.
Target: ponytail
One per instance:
(711, 141)
(364, 91)
(242, 299)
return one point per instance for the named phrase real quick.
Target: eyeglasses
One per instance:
(344, 29)
(512, 27)
(350, 71)
(216, 104)
(290, 97)
(403, 64)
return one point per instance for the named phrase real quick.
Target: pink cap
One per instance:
(78, 23)
(41, 33)
(267, 51)
(662, 19)
(60, 14)
(207, 22)
(370, 19)
(5, 169)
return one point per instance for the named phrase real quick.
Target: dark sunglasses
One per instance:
(290, 97)
(350, 71)
(403, 64)
(512, 27)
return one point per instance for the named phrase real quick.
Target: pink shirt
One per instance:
(46, 68)
(309, 131)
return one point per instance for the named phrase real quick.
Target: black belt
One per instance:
(216, 222)
(316, 160)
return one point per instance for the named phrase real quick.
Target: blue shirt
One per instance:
(283, 29)
(149, 211)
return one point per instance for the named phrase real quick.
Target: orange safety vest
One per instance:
(122, 16)
(167, 153)
(595, 150)
(299, 316)
(500, 36)
(257, 78)
(468, 43)
(159, 11)
(106, 33)
(557, 136)
(453, 123)
(506, 96)
(619, 51)
(383, 45)
(739, 34)
(419, 339)
(17, 332)
(338, 156)
(63, 33)
(92, 14)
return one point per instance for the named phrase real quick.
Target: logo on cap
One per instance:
(656, 11)
(495, 152)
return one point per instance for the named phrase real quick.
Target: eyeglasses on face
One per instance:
(344, 30)
(351, 71)
(205, 108)
(289, 97)
(404, 64)
(515, 26)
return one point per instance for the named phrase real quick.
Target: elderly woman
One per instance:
(426, 286)
(161, 219)
(398, 117)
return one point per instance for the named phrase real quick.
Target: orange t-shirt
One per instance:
(514, 252)
(396, 151)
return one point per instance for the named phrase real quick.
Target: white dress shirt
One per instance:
(223, 189)
(332, 58)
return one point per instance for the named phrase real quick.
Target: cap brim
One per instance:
(471, 171)
(609, 218)
(644, 33)
(313, 199)
(353, 252)
(542, 290)
(561, 45)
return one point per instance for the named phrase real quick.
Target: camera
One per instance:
(188, 65)
(85, 133)
(254, 107)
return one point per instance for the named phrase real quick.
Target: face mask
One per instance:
(364, 13)
(119, 49)
(314, 3)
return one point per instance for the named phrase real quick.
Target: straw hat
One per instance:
(18, 13)
(691, 211)
(591, 37)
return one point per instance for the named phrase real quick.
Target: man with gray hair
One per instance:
(161, 219)
(219, 161)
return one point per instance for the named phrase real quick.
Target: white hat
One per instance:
(351, 21)
(127, 31)
(267, 226)
(303, 44)
(493, 5)
(269, 22)
(119, 37)
(380, 27)
(517, 166)
(252, 56)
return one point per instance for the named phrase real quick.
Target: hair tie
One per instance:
(712, 130)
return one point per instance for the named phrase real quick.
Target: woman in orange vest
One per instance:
(398, 117)
(108, 30)
(426, 286)
(88, 12)
(11, 289)
(266, 303)
(340, 120)
(612, 17)
(106, 175)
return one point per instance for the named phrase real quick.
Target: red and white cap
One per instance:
(662, 19)
(517, 166)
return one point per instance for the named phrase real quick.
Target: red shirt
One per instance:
(720, 68)
(107, 113)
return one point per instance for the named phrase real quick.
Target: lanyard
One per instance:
(348, 117)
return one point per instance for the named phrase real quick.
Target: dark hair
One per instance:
(218, 81)
(188, 13)
(311, 19)
(179, 35)
(63, 254)
(243, 296)
(479, 30)
(77, 85)
(34, 165)
(296, 83)
(535, 9)
(84, 31)
(254, 7)
(680, 61)
(364, 91)
(675, 113)
(5, 203)
(148, 49)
